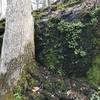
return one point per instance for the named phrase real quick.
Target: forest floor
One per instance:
(42, 84)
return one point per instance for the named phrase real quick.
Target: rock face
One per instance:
(18, 41)
(77, 12)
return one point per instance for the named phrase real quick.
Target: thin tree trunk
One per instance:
(3, 5)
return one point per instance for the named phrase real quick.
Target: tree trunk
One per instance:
(3, 5)
(18, 42)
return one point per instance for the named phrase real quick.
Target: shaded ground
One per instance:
(41, 84)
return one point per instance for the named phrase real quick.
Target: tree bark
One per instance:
(18, 42)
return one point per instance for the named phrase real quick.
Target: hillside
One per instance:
(67, 41)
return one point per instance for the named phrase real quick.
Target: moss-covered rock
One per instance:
(56, 50)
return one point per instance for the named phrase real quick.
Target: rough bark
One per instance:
(18, 42)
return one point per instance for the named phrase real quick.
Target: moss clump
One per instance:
(37, 15)
(8, 96)
(60, 6)
(94, 72)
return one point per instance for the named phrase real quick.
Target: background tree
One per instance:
(3, 5)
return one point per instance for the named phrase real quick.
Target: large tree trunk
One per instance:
(18, 42)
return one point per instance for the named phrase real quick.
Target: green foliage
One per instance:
(94, 72)
(72, 35)
(60, 43)
(94, 18)
(54, 87)
(64, 47)
(29, 80)
(96, 12)
(8, 96)
(67, 47)
(92, 26)
(95, 95)
(37, 15)
(60, 6)
(17, 96)
(51, 47)
(25, 84)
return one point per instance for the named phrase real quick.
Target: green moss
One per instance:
(31, 78)
(37, 15)
(60, 6)
(94, 72)
(26, 82)
(96, 41)
(8, 96)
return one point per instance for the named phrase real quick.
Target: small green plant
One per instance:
(95, 16)
(96, 95)
(60, 6)
(72, 35)
(37, 15)
(54, 87)
(17, 96)
(26, 83)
